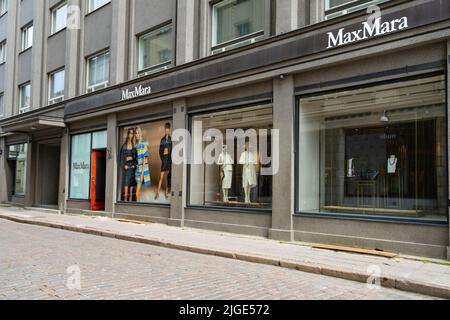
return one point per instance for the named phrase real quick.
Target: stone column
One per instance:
(11, 56)
(448, 128)
(119, 45)
(64, 172)
(3, 179)
(111, 165)
(283, 180)
(72, 48)
(39, 34)
(30, 179)
(286, 16)
(186, 13)
(179, 188)
(317, 11)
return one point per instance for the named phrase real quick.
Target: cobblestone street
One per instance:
(34, 263)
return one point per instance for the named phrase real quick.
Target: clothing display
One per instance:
(351, 168)
(142, 167)
(165, 153)
(128, 161)
(248, 160)
(392, 164)
(226, 163)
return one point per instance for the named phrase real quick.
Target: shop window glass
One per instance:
(155, 49)
(237, 22)
(377, 151)
(145, 162)
(17, 154)
(235, 177)
(99, 140)
(80, 172)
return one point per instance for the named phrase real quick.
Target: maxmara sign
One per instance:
(136, 92)
(367, 30)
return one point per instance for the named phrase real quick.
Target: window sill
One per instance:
(359, 217)
(57, 32)
(3, 14)
(97, 9)
(26, 50)
(2, 63)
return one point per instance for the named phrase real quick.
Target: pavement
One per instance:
(416, 275)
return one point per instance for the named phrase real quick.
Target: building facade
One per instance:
(346, 98)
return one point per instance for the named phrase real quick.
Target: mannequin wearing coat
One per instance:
(249, 180)
(226, 163)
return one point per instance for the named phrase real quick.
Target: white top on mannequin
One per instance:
(392, 164)
(226, 161)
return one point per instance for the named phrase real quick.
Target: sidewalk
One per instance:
(419, 276)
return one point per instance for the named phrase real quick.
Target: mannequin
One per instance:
(226, 163)
(392, 164)
(249, 181)
(351, 168)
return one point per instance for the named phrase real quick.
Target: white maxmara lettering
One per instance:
(367, 31)
(136, 92)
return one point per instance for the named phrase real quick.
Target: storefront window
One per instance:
(377, 151)
(145, 163)
(17, 155)
(82, 147)
(233, 176)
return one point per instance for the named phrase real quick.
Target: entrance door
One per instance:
(98, 180)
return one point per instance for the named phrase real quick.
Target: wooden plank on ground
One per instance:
(356, 250)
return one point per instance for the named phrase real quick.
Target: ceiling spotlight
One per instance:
(384, 118)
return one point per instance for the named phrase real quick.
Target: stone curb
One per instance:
(392, 282)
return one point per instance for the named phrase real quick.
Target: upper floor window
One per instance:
(336, 8)
(3, 7)
(59, 18)
(2, 104)
(98, 72)
(27, 37)
(155, 49)
(95, 4)
(236, 23)
(24, 98)
(3, 52)
(56, 86)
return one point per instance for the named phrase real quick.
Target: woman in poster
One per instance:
(142, 167)
(165, 153)
(128, 165)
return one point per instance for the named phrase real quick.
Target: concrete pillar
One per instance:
(286, 16)
(64, 172)
(72, 48)
(448, 135)
(39, 34)
(283, 180)
(317, 11)
(119, 45)
(30, 184)
(11, 56)
(179, 187)
(186, 13)
(111, 165)
(3, 179)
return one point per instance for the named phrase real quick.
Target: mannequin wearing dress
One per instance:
(392, 164)
(249, 180)
(226, 163)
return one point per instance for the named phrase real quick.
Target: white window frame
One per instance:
(348, 7)
(2, 104)
(101, 85)
(27, 37)
(91, 6)
(3, 7)
(234, 43)
(3, 52)
(156, 67)
(54, 14)
(26, 108)
(50, 79)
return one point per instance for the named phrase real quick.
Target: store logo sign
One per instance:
(80, 166)
(368, 30)
(136, 92)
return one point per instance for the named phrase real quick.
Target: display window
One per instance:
(376, 151)
(233, 179)
(145, 163)
(17, 159)
(81, 152)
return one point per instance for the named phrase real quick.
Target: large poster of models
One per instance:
(145, 162)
